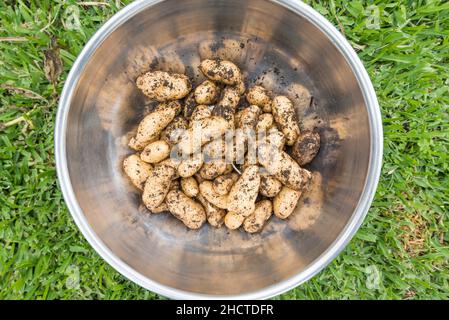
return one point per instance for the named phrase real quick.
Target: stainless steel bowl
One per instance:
(283, 43)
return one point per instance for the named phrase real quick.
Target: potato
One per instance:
(157, 186)
(280, 165)
(190, 187)
(161, 208)
(306, 147)
(248, 118)
(256, 220)
(276, 138)
(285, 202)
(202, 131)
(201, 112)
(223, 184)
(241, 86)
(137, 170)
(155, 152)
(173, 132)
(285, 116)
(212, 169)
(163, 86)
(225, 108)
(214, 214)
(190, 212)
(171, 162)
(258, 96)
(206, 93)
(233, 220)
(265, 122)
(243, 194)
(189, 105)
(221, 71)
(152, 125)
(188, 167)
(269, 186)
(207, 191)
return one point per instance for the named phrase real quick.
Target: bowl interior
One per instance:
(278, 49)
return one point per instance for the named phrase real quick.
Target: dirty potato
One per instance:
(306, 147)
(223, 184)
(163, 86)
(269, 186)
(152, 125)
(189, 105)
(190, 187)
(207, 191)
(243, 194)
(212, 169)
(190, 212)
(214, 214)
(173, 132)
(233, 220)
(285, 116)
(276, 138)
(137, 170)
(265, 122)
(157, 186)
(206, 93)
(256, 220)
(201, 112)
(221, 71)
(285, 202)
(160, 208)
(225, 108)
(188, 167)
(258, 96)
(248, 118)
(155, 152)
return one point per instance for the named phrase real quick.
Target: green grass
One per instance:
(400, 252)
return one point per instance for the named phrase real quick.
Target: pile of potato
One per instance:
(221, 176)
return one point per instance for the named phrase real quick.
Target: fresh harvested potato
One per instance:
(280, 165)
(190, 187)
(276, 138)
(157, 186)
(221, 71)
(171, 162)
(163, 86)
(243, 194)
(223, 184)
(225, 108)
(201, 112)
(190, 212)
(256, 220)
(258, 96)
(264, 122)
(137, 170)
(207, 191)
(173, 132)
(285, 116)
(188, 167)
(161, 208)
(212, 169)
(248, 118)
(152, 125)
(155, 152)
(306, 147)
(206, 93)
(285, 202)
(189, 105)
(269, 186)
(233, 220)
(214, 214)
(202, 131)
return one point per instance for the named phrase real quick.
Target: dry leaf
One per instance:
(52, 63)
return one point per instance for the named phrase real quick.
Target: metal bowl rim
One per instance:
(374, 167)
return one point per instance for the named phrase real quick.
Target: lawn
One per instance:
(400, 252)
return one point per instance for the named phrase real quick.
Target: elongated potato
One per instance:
(214, 214)
(248, 118)
(285, 116)
(207, 191)
(243, 194)
(152, 125)
(190, 212)
(233, 220)
(269, 186)
(171, 162)
(201, 112)
(223, 184)
(212, 169)
(221, 71)
(157, 186)
(265, 122)
(225, 108)
(206, 93)
(190, 187)
(256, 220)
(188, 167)
(306, 147)
(155, 152)
(276, 138)
(285, 202)
(137, 170)
(163, 86)
(258, 96)
(173, 132)
(202, 131)
(280, 165)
